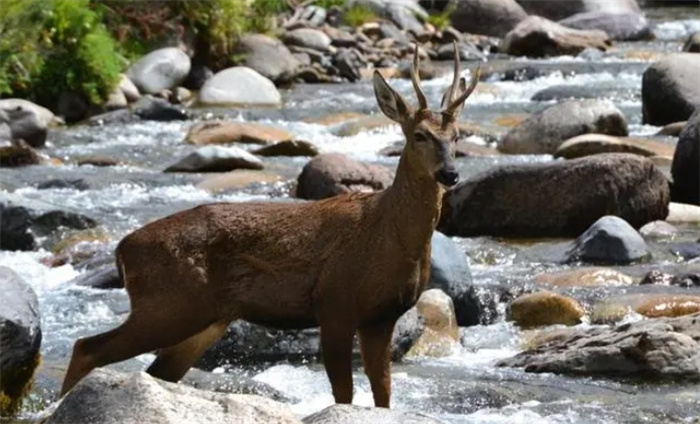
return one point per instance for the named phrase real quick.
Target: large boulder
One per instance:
(544, 308)
(557, 198)
(160, 70)
(610, 240)
(440, 334)
(619, 26)
(352, 414)
(331, 174)
(670, 89)
(661, 349)
(216, 159)
(557, 9)
(487, 17)
(593, 144)
(26, 120)
(685, 168)
(268, 56)
(224, 132)
(109, 397)
(449, 272)
(536, 36)
(239, 86)
(309, 38)
(544, 131)
(20, 338)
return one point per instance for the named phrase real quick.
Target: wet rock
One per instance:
(238, 384)
(239, 86)
(670, 92)
(658, 229)
(364, 123)
(440, 335)
(610, 240)
(105, 278)
(268, 56)
(685, 168)
(603, 90)
(288, 148)
(449, 271)
(116, 100)
(115, 117)
(593, 144)
(577, 193)
(690, 280)
(585, 277)
(24, 221)
(650, 305)
(159, 70)
(98, 161)
(351, 414)
(554, 9)
(25, 120)
(403, 13)
(349, 63)
(339, 37)
(487, 17)
(154, 109)
(544, 131)
(466, 52)
(682, 213)
(128, 89)
(19, 154)
(237, 180)
(331, 174)
(334, 118)
(481, 304)
(657, 278)
(407, 330)
(692, 45)
(544, 308)
(309, 38)
(104, 393)
(199, 74)
(672, 130)
(619, 26)
(74, 183)
(78, 246)
(20, 336)
(652, 349)
(180, 95)
(216, 159)
(538, 37)
(223, 132)
(686, 251)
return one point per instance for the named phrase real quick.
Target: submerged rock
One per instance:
(670, 92)
(351, 414)
(544, 308)
(685, 167)
(539, 37)
(610, 240)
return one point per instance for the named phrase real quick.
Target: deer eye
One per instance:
(420, 138)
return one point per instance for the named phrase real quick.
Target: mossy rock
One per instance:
(544, 308)
(16, 385)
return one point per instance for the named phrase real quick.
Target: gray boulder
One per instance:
(150, 108)
(239, 86)
(610, 240)
(670, 89)
(403, 13)
(557, 9)
(692, 44)
(160, 70)
(556, 199)
(26, 121)
(544, 131)
(128, 89)
(216, 159)
(269, 57)
(536, 36)
(309, 38)
(108, 397)
(351, 414)
(619, 26)
(20, 337)
(331, 174)
(657, 349)
(685, 167)
(449, 272)
(487, 17)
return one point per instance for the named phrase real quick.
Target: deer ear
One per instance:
(390, 102)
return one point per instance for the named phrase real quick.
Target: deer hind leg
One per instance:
(336, 348)
(375, 344)
(172, 363)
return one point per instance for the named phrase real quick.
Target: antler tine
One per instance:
(462, 97)
(455, 80)
(415, 79)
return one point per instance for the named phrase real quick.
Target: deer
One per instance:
(351, 264)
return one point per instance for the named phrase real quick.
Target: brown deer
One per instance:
(352, 263)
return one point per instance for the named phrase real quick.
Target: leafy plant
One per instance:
(441, 20)
(358, 15)
(327, 4)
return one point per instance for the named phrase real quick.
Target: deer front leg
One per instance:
(375, 342)
(336, 348)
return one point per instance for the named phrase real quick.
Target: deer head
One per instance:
(430, 135)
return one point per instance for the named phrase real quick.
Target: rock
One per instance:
(199, 74)
(128, 89)
(45, 117)
(233, 383)
(650, 305)
(449, 271)
(670, 92)
(339, 37)
(585, 277)
(349, 63)
(365, 123)
(440, 335)
(554, 9)
(268, 56)
(154, 109)
(544, 308)
(388, 30)
(685, 167)
(237, 180)
(409, 328)
(75, 184)
(610, 240)
(680, 213)
(223, 132)
(239, 86)
(351, 414)
(626, 26)
(577, 193)
(181, 95)
(539, 37)
(404, 14)
(658, 229)
(673, 129)
(488, 17)
(103, 394)
(309, 38)
(25, 121)
(19, 154)
(216, 159)
(20, 333)
(466, 52)
(24, 221)
(334, 118)
(98, 161)
(116, 100)
(104, 278)
(288, 148)
(653, 349)
(79, 246)
(159, 70)
(115, 117)
(692, 45)
(656, 277)
(544, 131)
(331, 174)
(593, 144)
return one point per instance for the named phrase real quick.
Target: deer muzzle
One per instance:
(447, 176)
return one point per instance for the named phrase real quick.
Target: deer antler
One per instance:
(415, 79)
(452, 102)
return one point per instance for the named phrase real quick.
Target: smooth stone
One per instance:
(216, 159)
(658, 229)
(556, 9)
(237, 180)
(685, 168)
(593, 144)
(239, 86)
(585, 277)
(268, 56)
(544, 308)
(309, 38)
(224, 132)
(670, 92)
(159, 70)
(536, 36)
(352, 414)
(683, 213)
(610, 240)
(288, 148)
(625, 26)
(488, 17)
(650, 305)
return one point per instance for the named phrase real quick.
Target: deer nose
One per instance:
(447, 176)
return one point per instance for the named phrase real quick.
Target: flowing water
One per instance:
(465, 387)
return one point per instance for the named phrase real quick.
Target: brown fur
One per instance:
(352, 263)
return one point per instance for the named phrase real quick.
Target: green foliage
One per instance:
(358, 15)
(327, 4)
(441, 20)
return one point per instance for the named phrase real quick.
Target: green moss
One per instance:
(441, 20)
(16, 385)
(327, 4)
(358, 15)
